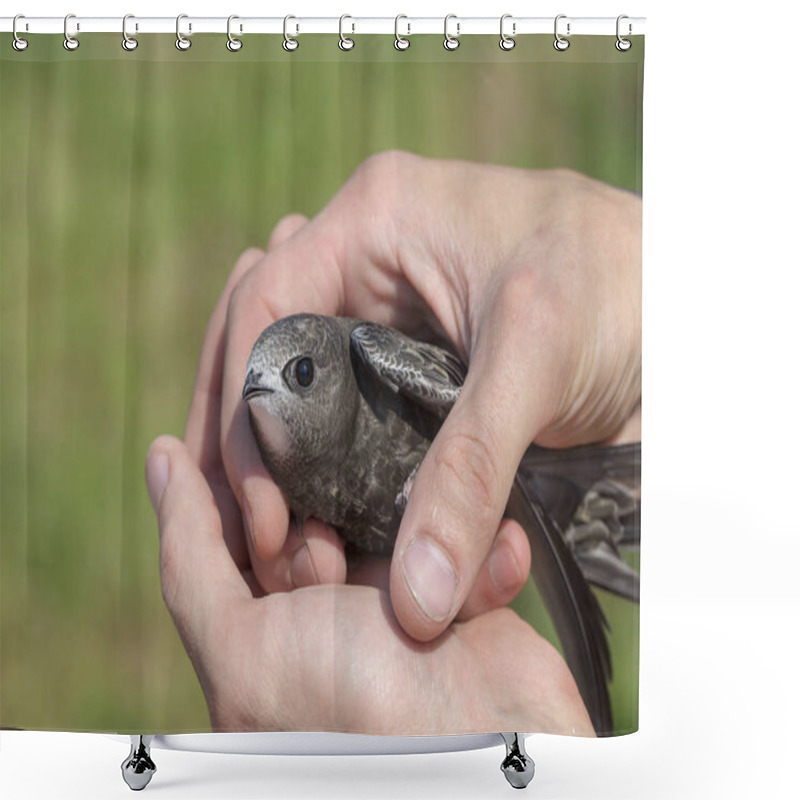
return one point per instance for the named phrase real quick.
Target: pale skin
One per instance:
(535, 278)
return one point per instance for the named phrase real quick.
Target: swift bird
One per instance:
(343, 412)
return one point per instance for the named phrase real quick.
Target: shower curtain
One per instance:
(133, 183)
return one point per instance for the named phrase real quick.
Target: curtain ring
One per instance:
(345, 42)
(507, 42)
(560, 42)
(18, 43)
(400, 42)
(290, 43)
(128, 42)
(451, 42)
(233, 44)
(182, 42)
(70, 42)
(623, 44)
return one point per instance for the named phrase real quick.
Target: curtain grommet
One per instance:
(622, 44)
(18, 43)
(345, 42)
(71, 43)
(290, 43)
(401, 42)
(451, 42)
(560, 43)
(233, 44)
(129, 43)
(507, 42)
(182, 42)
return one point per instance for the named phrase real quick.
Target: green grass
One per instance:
(130, 183)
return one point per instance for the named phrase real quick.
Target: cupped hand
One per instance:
(333, 657)
(534, 277)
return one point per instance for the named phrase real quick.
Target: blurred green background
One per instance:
(130, 184)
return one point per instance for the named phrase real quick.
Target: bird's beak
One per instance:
(253, 386)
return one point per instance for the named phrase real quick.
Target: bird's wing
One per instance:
(593, 495)
(578, 619)
(425, 373)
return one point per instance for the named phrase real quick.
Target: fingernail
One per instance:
(157, 476)
(504, 570)
(301, 570)
(431, 577)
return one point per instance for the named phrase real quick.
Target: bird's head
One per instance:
(297, 388)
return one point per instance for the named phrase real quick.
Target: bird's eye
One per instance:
(304, 372)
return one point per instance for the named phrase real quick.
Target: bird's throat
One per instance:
(271, 432)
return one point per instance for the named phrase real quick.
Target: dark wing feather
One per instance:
(427, 374)
(593, 494)
(575, 611)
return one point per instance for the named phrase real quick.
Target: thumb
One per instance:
(458, 498)
(197, 571)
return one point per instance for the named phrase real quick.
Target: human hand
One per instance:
(333, 657)
(535, 277)
(318, 555)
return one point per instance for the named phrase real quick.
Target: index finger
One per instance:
(201, 434)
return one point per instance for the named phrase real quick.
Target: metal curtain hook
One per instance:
(400, 42)
(18, 43)
(70, 42)
(181, 42)
(290, 43)
(560, 42)
(128, 42)
(451, 42)
(345, 42)
(623, 44)
(233, 44)
(506, 41)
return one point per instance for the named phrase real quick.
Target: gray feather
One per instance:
(592, 495)
(428, 374)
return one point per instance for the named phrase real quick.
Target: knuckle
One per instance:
(467, 462)
(247, 258)
(285, 228)
(387, 162)
(529, 313)
(566, 174)
(380, 175)
(518, 293)
(160, 444)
